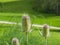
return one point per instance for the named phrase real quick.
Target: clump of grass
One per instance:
(15, 41)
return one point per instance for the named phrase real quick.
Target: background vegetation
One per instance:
(47, 6)
(40, 12)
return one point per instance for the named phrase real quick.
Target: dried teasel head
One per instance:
(26, 24)
(45, 31)
(15, 41)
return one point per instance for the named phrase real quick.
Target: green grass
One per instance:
(16, 6)
(6, 0)
(7, 32)
(35, 18)
(13, 10)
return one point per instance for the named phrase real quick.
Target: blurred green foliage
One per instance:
(47, 6)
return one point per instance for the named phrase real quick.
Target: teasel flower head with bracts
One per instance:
(45, 31)
(15, 41)
(26, 24)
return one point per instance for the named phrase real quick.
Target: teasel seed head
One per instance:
(45, 31)
(26, 24)
(15, 41)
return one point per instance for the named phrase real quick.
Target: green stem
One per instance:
(45, 41)
(26, 38)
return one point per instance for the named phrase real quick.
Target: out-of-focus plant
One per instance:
(15, 41)
(26, 25)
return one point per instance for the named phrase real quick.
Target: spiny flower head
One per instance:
(15, 41)
(26, 24)
(45, 31)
